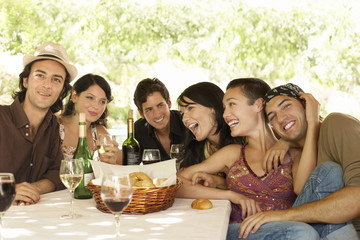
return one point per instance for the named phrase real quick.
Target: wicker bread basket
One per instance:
(144, 200)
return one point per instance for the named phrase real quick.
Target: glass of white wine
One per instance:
(177, 151)
(151, 156)
(104, 143)
(116, 193)
(71, 174)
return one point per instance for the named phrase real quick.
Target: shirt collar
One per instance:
(175, 125)
(19, 116)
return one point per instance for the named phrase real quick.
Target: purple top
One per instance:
(272, 192)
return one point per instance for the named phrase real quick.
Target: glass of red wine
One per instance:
(7, 194)
(116, 193)
(151, 156)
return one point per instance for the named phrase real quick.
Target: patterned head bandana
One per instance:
(289, 89)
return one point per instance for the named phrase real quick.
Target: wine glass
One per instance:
(103, 142)
(177, 151)
(116, 193)
(151, 156)
(71, 174)
(7, 194)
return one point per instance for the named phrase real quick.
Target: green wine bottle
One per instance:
(82, 152)
(131, 147)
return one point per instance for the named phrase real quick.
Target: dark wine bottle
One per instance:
(131, 147)
(82, 152)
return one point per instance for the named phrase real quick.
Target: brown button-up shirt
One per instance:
(29, 160)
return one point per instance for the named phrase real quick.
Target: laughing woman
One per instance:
(249, 187)
(201, 108)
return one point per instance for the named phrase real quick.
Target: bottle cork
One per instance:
(82, 117)
(130, 114)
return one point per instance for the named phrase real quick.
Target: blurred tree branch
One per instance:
(229, 39)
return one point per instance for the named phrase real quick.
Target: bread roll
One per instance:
(159, 181)
(141, 179)
(201, 204)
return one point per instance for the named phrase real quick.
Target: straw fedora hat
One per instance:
(55, 52)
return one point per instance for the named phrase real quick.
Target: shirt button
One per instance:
(27, 134)
(27, 125)
(31, 164)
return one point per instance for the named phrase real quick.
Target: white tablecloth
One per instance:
(42, 221)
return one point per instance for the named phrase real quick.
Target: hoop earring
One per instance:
(193, 137)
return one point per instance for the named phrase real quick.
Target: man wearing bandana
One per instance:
(324, 204)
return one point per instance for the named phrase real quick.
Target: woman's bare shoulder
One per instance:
(231, 147)
(229, 153)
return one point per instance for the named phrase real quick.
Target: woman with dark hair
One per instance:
(90, 94)
(202, 113)
(249, 187)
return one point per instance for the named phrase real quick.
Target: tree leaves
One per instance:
(122, 40)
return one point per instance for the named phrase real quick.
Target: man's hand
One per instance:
(254, 222)
(26, 194)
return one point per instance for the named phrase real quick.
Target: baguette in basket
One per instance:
(144, 199)
(160, 170)
(141, 179)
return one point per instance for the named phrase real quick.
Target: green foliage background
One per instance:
(121, 40)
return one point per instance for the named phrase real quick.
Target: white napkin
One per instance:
(165, 169)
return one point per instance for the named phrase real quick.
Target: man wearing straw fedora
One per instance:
(29, 132)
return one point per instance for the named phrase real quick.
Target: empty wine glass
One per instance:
(116, 193)
(71, 174)
(177, 151)
(7, 194)
(151, 156)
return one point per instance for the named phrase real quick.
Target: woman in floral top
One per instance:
(90, 94)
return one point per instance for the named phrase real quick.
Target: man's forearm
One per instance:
(338, 207)
(45, 186)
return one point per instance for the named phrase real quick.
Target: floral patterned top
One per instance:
(69, 151)
(272, 192)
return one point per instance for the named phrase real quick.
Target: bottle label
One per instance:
(88, 177)
(133, 158)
